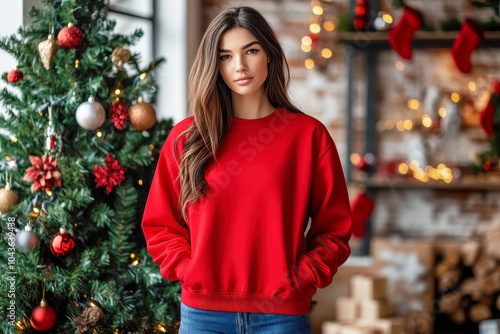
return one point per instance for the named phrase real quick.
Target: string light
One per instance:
(413, 104)
(400, 125)
(132, 255)
(317, 10)
(143, 75)
(329, 26)
(408, 124)
(306, 40)
(76, 63)
(403, 168)
(314, 28)
(117, 92)
(306, 48)
(472, 86)
(136, 262)
(99, 134)
(48, 192)
(442, 112)
(309, 63)
(455, 97)
(427, 121)
(387, 18)
(13, 138)
(92, 304)
(140, 182)
(326, 53)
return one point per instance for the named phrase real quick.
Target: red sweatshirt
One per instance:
(243, 247)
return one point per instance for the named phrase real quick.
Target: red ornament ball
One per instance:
(70, 37)
(62, 244)
(15, 75)
(43, 318)
(119, 114)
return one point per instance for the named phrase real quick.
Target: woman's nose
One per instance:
(240, 64)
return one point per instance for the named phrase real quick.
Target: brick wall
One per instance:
(413, 213)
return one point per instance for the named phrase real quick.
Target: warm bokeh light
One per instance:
(306, 40)
(389, 124)
(427, 121)
(455, 97)
(355, 158)
(317, 10)
(408, 124)
(413, 104)
(315, 28)
(472, 86)
(403, 168)
(387, 18)
(329, 25)
(117, 92)
(442, 112)
(400, 125)
(309, 63)
(99, 134)
(305, 48)
(326, 53)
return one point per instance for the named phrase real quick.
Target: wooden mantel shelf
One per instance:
(422, 39)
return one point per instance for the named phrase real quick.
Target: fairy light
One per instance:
(413, 165)
(408, 124)
(329, 25)
(13, 138)
(317, 10)
(140, 182)
(399, 65)
(143, 75)
(99, 134)
(442, 112)
(136, 262)
(309, 63)
(132, 255)
(151, 146)
(387, 18)
(161, 328)
(326, 53)
(117, 92)
(314, 28)
(306, 48)
(472, 86)
(92, 304)
(306, 40)
(455, 97)
(76, 63)
(355, 158)
(400, 125)
(389, 124)
(413, 104)
(48, 192)
(426, 121)
(403, 168)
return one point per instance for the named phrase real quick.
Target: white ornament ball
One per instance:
(26, 240)
(90, 115)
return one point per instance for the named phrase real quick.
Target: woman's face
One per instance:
(242, 56)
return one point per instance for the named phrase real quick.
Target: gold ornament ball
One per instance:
(8, 199)
(120, 57)
(142, 115)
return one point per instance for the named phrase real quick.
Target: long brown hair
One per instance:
(210, 98)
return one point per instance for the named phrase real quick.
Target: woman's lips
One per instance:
(243, 82)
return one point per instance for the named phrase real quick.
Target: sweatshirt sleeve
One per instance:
(166, 232)
(328, 237)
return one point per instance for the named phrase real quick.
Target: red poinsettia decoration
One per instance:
(119, 114)
(44, 173)
(111, 175)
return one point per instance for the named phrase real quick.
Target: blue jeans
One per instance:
(196, 321)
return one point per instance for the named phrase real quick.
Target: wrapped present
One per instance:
(387, 326)
(368, 287)
(331, 327)
(376, 309)
(348, 309)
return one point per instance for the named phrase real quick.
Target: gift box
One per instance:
(331, 327)
(387, 326)
(348, 309)
(368, 287)
(375, 309)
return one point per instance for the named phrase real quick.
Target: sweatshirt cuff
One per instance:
(180, 270)
(304, 273)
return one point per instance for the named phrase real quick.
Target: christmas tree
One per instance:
(78, 148)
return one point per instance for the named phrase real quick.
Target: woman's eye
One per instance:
(223, 57)
(253, 50)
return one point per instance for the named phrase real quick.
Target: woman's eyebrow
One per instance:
(243, 48)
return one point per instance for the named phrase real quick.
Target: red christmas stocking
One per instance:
(361, 208)
(468, 39)
(401, 35)
(486, 119)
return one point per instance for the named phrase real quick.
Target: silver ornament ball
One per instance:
(90, 115)
(26, 240)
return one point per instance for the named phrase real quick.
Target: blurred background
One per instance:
(410, 95)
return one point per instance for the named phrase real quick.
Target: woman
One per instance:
(235, 186)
